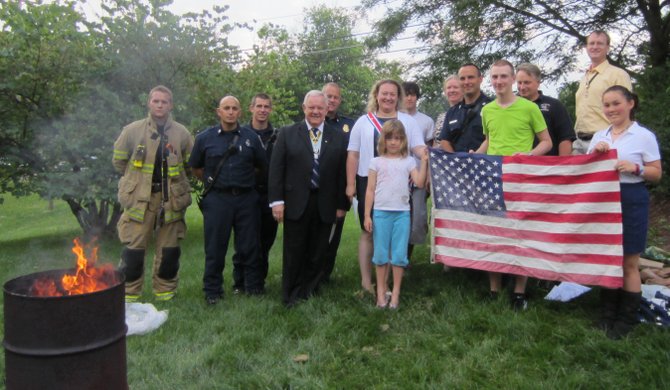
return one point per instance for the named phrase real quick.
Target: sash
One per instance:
(375, 122)
(375, 139)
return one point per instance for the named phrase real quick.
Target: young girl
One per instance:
(388, 189)
(639, 162)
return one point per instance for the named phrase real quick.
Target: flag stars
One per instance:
(466, 182)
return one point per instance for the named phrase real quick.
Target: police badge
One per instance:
(345, 128)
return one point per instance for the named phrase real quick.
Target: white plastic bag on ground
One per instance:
(566, 291)
(142, 318)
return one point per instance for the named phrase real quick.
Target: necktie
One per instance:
(314, 181)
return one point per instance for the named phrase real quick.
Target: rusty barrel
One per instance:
(68, 342)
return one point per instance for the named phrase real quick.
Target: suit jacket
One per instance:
(291, 170)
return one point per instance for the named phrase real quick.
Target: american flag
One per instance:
(554, 218)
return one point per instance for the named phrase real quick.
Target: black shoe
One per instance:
(519, 302)
(255, 291)
(213, 299)
(629, 305)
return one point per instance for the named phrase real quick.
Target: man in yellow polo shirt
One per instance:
(598, 77)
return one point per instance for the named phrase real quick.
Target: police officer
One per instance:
(154, 192)
(344, 125)
(232, 202)
(261, 108)
(462, 128)
(528, 78)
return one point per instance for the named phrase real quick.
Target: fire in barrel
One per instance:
(65, 329)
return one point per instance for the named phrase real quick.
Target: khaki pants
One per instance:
(136, 235)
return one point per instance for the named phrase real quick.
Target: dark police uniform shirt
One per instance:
(239, 171)
(342, 123)
(268, 137)
(558, 121)
(463, 125)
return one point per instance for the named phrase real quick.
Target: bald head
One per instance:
(229, 112)
(228, 99)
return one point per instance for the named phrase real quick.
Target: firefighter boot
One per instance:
(166, 277)
(132, 266)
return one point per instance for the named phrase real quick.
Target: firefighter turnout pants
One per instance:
(136, 236)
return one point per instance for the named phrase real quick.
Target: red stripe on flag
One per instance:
(566, 217)
(587, 197)
(584, 258)
(585, 178)
(559, 238)
(599, 280)
(557, 161)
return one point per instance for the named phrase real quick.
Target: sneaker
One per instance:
(519, 302)
(165, 296)
(237, 291)
(132, 298)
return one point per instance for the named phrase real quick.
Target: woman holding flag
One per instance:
(639, 161)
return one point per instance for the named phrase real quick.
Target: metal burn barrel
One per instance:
(67, 342)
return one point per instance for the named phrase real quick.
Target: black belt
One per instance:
(156, 187)
(232, 190)
(584, 136)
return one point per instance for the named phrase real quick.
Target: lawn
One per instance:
(444, 334)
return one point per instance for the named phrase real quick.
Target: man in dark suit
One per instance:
(306, 193)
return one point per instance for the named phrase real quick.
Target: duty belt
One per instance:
(232, 190)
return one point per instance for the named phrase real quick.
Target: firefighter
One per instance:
(154, 192)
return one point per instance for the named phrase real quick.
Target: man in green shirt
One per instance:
(510, 125)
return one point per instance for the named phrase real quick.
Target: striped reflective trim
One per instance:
(120, 154)
(171, 216)
(174, 171)
(187, 157)
(145, 168)
(136, 214)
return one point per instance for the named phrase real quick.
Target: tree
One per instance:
(272, 68)
(546, 33)
(330, 52)
(44, 64)
(79, 82)
(287, 66)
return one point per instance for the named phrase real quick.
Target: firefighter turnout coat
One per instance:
(134, 157)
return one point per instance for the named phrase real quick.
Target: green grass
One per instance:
(443, 335)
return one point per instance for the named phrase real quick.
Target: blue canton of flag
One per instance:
(468, 183)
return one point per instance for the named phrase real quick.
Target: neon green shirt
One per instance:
(512, 129)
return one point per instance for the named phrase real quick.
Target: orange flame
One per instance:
(87, 278)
